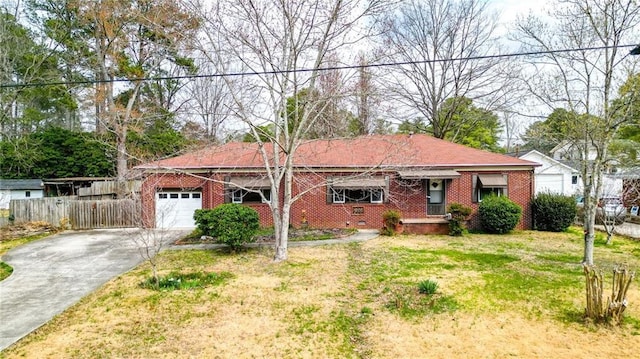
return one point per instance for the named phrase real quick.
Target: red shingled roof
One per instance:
(362, 152)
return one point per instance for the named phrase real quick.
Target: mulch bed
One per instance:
(294, 235)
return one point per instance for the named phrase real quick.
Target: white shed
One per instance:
(19, 189)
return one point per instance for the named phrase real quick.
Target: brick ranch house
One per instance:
(342, 182)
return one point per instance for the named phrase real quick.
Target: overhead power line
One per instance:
(346, 67)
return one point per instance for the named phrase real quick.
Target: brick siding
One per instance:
(314, 208)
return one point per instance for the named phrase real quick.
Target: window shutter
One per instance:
(506, 189)
(227, 190)
(474, 194)
(329, 192)
(385, 194)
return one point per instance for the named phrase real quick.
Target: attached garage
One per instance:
(174, 209)
(548, 182)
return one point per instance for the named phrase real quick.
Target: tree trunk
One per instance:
(121, 155)
(588, 249)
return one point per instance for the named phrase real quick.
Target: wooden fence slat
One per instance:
(80, 214)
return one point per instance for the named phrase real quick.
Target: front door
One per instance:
(435, 197)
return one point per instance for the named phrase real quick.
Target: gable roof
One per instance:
(18, 184)
(547, 159)
(375, 151)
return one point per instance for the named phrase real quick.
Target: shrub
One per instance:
(499, 214)
(553, 212)
(232, 224)
(459, 214)
(428, 287)
(390, 219)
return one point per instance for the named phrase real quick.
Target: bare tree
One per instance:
(210, 102)
(275, 40)
(365, 93)
(441, 43)
(512, 128)
(583, 81)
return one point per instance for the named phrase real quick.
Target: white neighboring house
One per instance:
(19, 189)
(553, 176)
(611, 181)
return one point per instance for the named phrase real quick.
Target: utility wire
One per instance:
(347, 67)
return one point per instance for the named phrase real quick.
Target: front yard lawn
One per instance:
(517, 295)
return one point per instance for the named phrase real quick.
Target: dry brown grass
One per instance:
(333, 302)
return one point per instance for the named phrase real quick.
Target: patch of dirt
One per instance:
(25, 229)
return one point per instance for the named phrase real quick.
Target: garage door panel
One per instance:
(546, 183)
(175, 209)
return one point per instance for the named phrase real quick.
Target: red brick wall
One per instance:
(409, 200)
(520, 191)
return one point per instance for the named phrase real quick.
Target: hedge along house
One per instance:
(341, 183)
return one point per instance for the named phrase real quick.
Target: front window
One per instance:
(485, 185)
(358, 195)
(254, 196)
(490, 191)
(27, 194)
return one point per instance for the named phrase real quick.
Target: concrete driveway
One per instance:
(54, 273)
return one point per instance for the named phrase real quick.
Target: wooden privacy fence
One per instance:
(54, 210)
(62, 211)
(115, 213)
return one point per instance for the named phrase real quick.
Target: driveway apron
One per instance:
(54, 273)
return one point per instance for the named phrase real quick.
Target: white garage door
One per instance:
(175, 209)
(549, 183)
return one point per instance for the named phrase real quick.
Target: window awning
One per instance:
(492, 180)
(432, 174)
(359, 183)
(249, 182)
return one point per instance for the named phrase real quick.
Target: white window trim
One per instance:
(338, 195)
(264, 197)
(236, 196)
(381, 195)
(500, 194)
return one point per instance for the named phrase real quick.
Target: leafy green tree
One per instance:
(468, 124)
(545, 135)
(627, 109)
(55, 152)
(159, 140)
(24, 60)
(473, 126)
(417, 125)
(265, 133)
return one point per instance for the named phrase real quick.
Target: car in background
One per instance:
(609, 208)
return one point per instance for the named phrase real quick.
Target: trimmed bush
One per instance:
(499, 215)
(553, 212)
(230, 223)
(459, 214)
(390, 220)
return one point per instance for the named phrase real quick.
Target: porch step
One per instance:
(428, 225)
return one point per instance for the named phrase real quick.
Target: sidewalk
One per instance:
(626, 229)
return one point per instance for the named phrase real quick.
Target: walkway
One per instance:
(54, 273)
